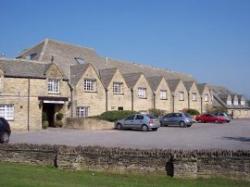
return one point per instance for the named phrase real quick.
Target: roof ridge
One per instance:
(73, 45)
(33, 46)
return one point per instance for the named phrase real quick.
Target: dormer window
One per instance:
(206, 97)
(163, 95)
(89, 85)
(142, 93)
(181, 96)
(118, 88)
(80, 60)
(31, 56)
(243, 102)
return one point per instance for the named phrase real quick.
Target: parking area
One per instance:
(234, 135)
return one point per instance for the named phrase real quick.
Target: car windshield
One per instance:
(187, 115)
(151, 116)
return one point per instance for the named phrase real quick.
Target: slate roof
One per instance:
(188, 84)
(23, 68)
(106, 76)
(131, 78)
(173, 84)
(201, 87)
(64, 55)
(154, 82)
(76, 72)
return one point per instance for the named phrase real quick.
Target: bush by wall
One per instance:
(192, 112)
(116, 115)
(157, 112)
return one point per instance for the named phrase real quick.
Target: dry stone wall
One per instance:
(176, 163)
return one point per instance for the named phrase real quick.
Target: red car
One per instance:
(210, 118)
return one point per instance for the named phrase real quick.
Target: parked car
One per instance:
(177, 119)
(144, 122)
(227, 117)
(4, 131)
(210, 118)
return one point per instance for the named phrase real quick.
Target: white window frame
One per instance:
(194, 96)
(117, 88)
(7, 111)
(82, 111)
(163, 94)
(142, 92)
(242, 102)
(89, 85)
(53, 86)
(236, 102)
(229, 102)
(206, 98)
(181, 96)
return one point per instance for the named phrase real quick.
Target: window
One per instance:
(82, 112)
(53, 86)
(90, 85)
(236, 102)
(130, 117)
(181, 96)
(80, 60)
(229, 102)
(194, 96)
(242, 102)
(7, 111)
(117, 88)
(142, 92)
(31, 56)
(120, 108)
(163, 94)
(139, 117)
(206, 97)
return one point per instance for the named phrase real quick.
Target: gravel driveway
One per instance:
(235, 135)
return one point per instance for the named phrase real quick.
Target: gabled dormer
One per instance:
(235, 100)
(229, 100)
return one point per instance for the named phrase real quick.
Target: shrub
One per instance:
(45, 124)
(192, 112)
(157, 112)
(58, 123)
(116, 115)
(59, 116)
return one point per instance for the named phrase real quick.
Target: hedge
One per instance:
(116, 115)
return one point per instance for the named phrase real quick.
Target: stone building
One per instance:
(54, 77)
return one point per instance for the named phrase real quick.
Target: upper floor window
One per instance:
(206, 97)
(163, 94)
(243, 102)
(142, 92)
(236, 102)
(181, 96)
(90, 85)
(229, 102)
(7, 111)
(53, 86)
(82, 111)
(118, 88)
(194, 96)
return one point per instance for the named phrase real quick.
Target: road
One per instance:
(233, 136)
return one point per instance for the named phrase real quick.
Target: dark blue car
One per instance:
(4, 131)
(177, 119)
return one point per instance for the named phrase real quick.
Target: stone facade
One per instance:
(142, 103)
(163, 103)
(194, 98)
(94, 100)
(180, 97)
(116, 101)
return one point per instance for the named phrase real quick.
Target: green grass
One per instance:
(20, 175)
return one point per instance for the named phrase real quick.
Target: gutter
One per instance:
(106, 95)
(132, 99)
(28, 106)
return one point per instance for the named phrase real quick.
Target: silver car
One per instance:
(144, 122)
(177, 119)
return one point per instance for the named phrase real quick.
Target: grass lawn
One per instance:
(20, 175)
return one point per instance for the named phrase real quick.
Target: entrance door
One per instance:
(49, 110)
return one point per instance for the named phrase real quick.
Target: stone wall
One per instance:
(176, 163)
(88, 124)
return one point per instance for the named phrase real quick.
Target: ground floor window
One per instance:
(82, 111)
(7, 111)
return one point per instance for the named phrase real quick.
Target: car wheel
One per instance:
(154, 129)
(144, 128)
(5, 138)
(119, 126)
(183, 124)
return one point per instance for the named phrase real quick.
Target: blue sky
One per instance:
(209, 39)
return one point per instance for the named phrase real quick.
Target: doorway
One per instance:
(49, 112)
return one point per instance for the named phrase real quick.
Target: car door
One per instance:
(167, 119)
(138, 121)
(128, 122)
